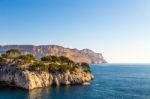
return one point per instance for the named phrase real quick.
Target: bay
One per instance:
(112, 81)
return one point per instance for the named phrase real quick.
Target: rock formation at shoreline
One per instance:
(76, 55)
(27, 72)
(32, 80)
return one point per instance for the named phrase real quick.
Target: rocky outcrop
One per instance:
(30, 80)
(76, 55)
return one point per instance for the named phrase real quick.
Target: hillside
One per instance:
(26, 71)
(76, 55)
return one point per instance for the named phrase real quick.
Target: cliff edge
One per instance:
(85, 55)
(27, 72)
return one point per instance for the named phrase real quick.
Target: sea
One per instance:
(112, 81)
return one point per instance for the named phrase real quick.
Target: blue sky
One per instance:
(120, 29)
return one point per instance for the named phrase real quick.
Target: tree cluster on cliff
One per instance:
(48, 63)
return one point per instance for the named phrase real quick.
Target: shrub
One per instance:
(54, 67)
(47, 63)
(66, 60)
(55, 59)
(2, 61)
(25, 59)
(46, 59)
(38, 66)
(7, 56)
(85, 67)
(13, 52)
(31, 57)
(64, 68)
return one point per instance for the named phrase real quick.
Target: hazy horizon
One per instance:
(119, 29)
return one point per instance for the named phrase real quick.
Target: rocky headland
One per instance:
(85, 55)
(28, 72)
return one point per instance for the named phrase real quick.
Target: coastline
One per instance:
(28, 72)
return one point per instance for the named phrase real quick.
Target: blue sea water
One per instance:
(112, 81)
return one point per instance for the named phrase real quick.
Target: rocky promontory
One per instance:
(85, 55)
(25, 71)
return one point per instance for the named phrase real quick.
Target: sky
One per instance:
(119, 29)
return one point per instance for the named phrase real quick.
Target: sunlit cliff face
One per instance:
(76, 55)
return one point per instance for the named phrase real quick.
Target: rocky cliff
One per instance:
(26, 71)
(30, 80)
(76, 55)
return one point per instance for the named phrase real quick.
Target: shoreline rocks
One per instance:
(31, 80)
(28, 72)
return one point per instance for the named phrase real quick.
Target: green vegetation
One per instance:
(26, 58)
(38, 66)
(46, 59)
(13, 53)
(2, 61)
(85, 67)
(55, 59)
(47, 63)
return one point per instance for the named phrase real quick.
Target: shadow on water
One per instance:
(54, 92)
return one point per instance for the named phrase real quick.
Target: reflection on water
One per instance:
(62, 92)
(111, 82)
(38, 93)
(46, 93)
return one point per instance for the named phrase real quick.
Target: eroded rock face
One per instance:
(30, 80)
(76, 55)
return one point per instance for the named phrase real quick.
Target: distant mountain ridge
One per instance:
(85, 55)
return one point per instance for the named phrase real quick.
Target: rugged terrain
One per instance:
(76, 55)
(26, 71)
(31, 80)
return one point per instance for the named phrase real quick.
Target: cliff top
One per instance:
(15, 59)
(85, 55)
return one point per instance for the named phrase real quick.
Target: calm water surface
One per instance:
(112, 81)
